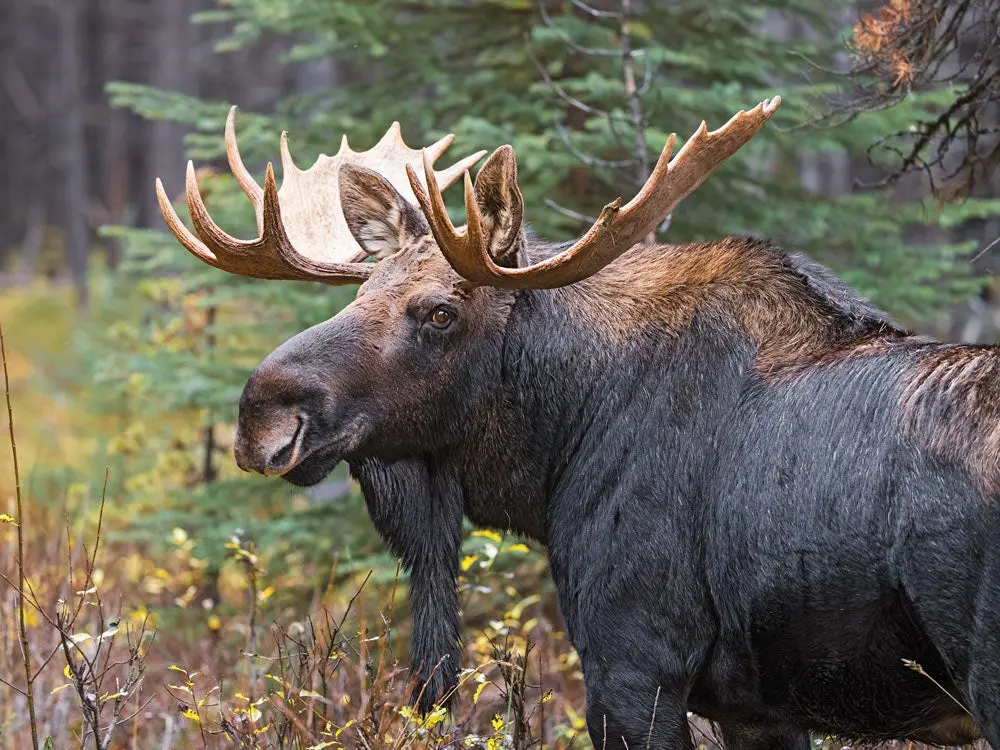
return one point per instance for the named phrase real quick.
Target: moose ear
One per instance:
(502, 207)
(380, 219)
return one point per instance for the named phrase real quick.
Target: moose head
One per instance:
(401, 370)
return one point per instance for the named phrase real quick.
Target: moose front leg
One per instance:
(417, 510)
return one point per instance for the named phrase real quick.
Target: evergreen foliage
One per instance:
(493, 72)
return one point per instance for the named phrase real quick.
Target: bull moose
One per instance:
(761, 498)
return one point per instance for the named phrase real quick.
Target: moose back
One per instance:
(761, 499)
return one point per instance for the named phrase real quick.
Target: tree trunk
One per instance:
(23, 86)
(172, 71)
(74, 144)
(116, 172)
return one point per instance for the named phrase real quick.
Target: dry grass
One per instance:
(107, 677)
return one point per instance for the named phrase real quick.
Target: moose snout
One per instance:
(273, 448)
(294, 410)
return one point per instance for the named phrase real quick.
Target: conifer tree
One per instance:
(586, 94)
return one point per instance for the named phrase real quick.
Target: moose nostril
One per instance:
(287, 456)
(282, 458)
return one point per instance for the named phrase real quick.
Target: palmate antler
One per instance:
(303, 234)
(617, 228)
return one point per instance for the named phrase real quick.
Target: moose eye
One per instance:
(442, 317)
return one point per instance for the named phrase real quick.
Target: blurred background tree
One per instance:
(98, 97)
(920, 45)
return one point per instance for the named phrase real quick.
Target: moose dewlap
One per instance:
(762, 499)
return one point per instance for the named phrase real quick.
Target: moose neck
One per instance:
(641, 362)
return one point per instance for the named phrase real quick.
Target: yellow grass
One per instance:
(38, 321)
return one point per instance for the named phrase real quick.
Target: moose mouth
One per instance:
(313, 469)
(316, 463)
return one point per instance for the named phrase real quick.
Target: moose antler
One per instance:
(303, 234)
(617, 228)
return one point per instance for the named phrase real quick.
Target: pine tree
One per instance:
(586, 95)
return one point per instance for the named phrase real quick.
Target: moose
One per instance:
(762, 499)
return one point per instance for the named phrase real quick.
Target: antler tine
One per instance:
(273, 231)
(617, 228)
(418, 190)
(465, 251)
(439, 147)
(240, 172)
(688, 171)
(302, 233)
(274, 236)
(231, 254)
(287, 162)
(451, 174)
(475, 237)
(393, 136)
(181, 232)
(215, 239)
(436, 213)
(662, 168)
(271, 256)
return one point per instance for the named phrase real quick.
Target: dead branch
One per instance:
(911, 46)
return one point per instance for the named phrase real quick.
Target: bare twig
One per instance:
(916, 667)
(589, 159)
(278, 703)
(925, 131)
(568, 41)
(247, 554)
(635, 104)
(985, 250)
(639, 162)
(100, 524)
(572, 100)
(924, 45)
(561, 92)
(209, 471)
(88, 700)
(570, 213)
(647, 79)
(22, 629)
(13, 687)
(136, 668)
(591, 10)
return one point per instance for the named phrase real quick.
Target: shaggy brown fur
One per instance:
(738, 279)
(951, 404)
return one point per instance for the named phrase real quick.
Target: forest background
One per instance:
(171, 601)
